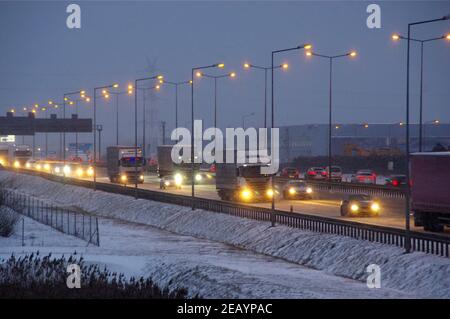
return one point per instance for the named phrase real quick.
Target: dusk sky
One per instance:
(41, 58)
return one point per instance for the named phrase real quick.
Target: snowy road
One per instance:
(207, 268)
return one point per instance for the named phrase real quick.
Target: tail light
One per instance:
(324, 173)
(311, 173)
(395, 182)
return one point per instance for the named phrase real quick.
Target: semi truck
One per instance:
(430, 190)
(243, 182)
(166, 165)
(21, 154)
(121, 162)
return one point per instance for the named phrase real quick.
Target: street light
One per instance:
(248, 66)
(408, 186)
(176, 85)
(216, 77)
(86, 99)
(434, 122)
(197, 71)
(136, 82)
(272, 67)
(398, 37)
(144, 116)
(105, 87)
(330, 58)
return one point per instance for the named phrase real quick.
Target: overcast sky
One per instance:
(40, 58)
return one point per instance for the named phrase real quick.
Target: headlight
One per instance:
(57, 170)
(27, 165)
(309, 190)
(354, 207)
(38, 166)
(246, 194)
(292, 191)
(2, 162)
(178, 179)
(90, 171)
(167, 183)
(375, 207)
(269, 192)
(198, 177)
(17, 164)
(47, 167)
(79, 172)
(123, 178)
(141, 177)
(66, 170)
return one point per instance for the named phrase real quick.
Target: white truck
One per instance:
(21, 154)
(121, 164)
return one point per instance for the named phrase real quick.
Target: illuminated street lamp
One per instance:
(398, 37)
(216, 77)
(331, 59)
(272, 67)
(176, 85)
(408, 186)
(248, 66)
(196, 71)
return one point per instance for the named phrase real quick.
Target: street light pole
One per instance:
(408, 185)
(193, 70)
(304, 46)
(176, 85)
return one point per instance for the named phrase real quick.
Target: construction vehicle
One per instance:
(123, 166)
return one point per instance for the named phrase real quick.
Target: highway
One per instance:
(324, 203)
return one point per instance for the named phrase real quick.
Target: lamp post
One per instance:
(136, 82)
(104, 88)
(330, 58)
(299, 47)
(435, 122)
(144, 108)
(398, 37)
(176, 85)
(283, 66)
(65, 100)
(408, 186)
(216, 77)
(194, 70)
(83, 98)
(129, 91)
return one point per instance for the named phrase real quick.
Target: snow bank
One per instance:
(415, 273)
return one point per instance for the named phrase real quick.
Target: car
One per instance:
(175, 181)
(336, 173)
(366, 176)
(396, 180)
(297, 189)
(290, 172)
(315, 173)
(360, 205)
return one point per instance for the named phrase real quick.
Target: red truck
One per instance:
(430, 190)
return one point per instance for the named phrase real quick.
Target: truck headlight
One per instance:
(79, 172)
(38, 166)
(17, 164)
(354, 208)
(57, 170)
(141, 177)
(90, 171)
(167, 183)
(66, 170)
(375, 207)
(292, 191)
(47, 166)
(123, 178)
(27, 165)
(269, 192)
(246, 194)
(2, 162)
(178, 179)
(198, 177)
(309, 190)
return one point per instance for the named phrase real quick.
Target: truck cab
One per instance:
(123, 166)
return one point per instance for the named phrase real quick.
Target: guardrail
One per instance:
(422, 242)
(354, 188)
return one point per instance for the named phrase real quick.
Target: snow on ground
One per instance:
(206, 268)
(416, 273)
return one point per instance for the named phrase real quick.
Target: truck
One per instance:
(121, 162)
(166, 165)
(21, 154)
(430, 190)
(243, 182)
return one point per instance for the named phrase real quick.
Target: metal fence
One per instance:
(67, 221)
